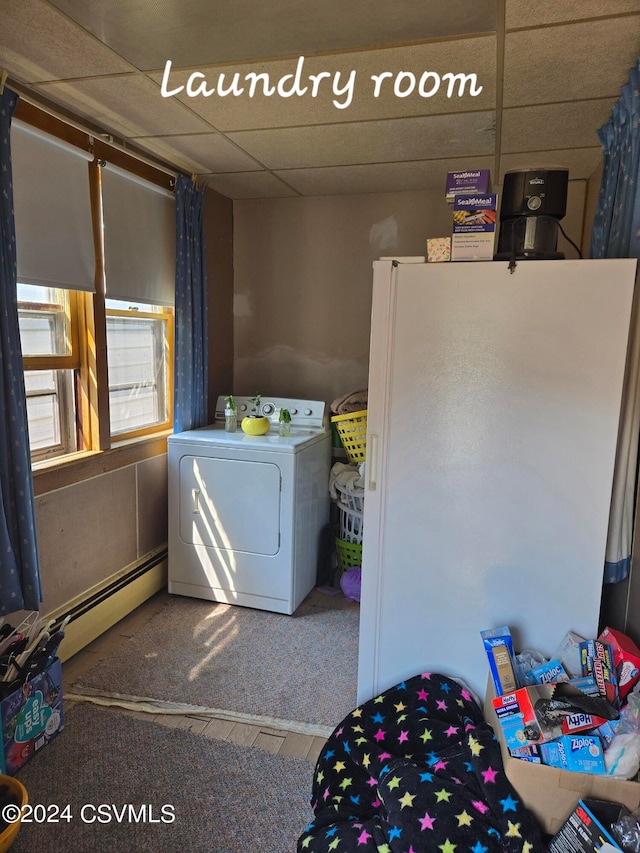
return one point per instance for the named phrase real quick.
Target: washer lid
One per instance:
(272, 441)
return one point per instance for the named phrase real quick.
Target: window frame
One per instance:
(166, 316)
(68, 361)
(62, 361)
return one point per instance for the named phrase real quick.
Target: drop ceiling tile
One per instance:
(201, 32)
(465, 134)
(554, 126)
(568, 63)
(524, 13)
(580, 162)
(398, 94)
(249, 185)
(37, 42)
(130, 105)
(379, 177)
(201, 152)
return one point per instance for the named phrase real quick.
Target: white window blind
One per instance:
(139, 238)
(52, 206)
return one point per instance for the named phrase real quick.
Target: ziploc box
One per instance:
(474, 227)
(548, 673)
(578, 753)
(499, 648)
(31, 718)
(467, 182)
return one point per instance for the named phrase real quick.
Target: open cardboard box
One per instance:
(551, 794)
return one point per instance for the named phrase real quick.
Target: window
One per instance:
(48, 320)
(139, 356)
(97, 369)
(139, 348)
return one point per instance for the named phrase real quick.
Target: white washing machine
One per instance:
(246, 513)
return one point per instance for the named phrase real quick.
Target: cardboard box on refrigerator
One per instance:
(552, 794)
(467, 182)
(31, 717)
(474, 227)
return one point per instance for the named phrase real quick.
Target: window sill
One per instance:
(127, 442)
(75, 468)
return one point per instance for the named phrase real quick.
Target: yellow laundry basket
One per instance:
(352, 429)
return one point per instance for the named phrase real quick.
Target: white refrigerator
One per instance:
(494, 406)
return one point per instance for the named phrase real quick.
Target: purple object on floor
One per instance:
(350, 583)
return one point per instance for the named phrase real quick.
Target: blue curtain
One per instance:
(20, 587)
(616, 234)
(191, 370)
(616, 224)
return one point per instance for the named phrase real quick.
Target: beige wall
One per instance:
(302, 271)
(93, 529)
(302, 282)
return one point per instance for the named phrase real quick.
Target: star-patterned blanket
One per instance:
(416, 769)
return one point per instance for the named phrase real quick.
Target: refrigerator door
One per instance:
(494, 402)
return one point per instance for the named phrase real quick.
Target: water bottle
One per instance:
(230, 420)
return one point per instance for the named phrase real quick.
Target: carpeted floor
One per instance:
(290, 668)
(218, 797)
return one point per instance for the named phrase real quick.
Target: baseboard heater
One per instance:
(102, 608)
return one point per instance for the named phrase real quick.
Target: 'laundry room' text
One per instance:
(340, 84)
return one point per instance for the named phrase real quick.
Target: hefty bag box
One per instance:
(521, 717)
(626, 659)
(541, 713)
(31, 718)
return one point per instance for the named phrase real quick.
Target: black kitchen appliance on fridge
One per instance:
(533, 203)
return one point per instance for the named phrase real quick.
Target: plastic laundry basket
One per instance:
(349, 554)
(353, 434)
(353, 500)
(350, 524)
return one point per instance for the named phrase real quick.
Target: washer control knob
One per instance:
(294, 411)
(268, 409)
(243, 407)
(307, 411)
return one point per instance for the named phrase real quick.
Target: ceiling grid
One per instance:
(546, 77)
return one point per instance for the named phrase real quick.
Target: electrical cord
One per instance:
(569, 240)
